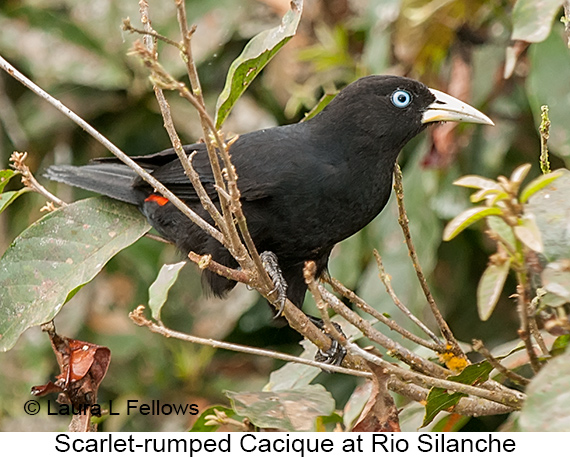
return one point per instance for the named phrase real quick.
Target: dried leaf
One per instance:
(380, 413)
(82, 369)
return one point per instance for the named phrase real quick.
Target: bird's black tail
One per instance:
(110, 179)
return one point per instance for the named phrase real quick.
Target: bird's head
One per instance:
(394, 109)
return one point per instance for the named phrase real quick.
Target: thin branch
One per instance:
(385, 278)
(544, 136)
(467, 406)
(171, 130)
(207, 123)
(296, 318)
(205, 262)
(18, 163)
(512, 399)
(394, 349)
(350, 295)
(404, 224)
(157, 185)
(481, 349)
(128, 27)
(524, 332)
(137, 316)
(309, 272)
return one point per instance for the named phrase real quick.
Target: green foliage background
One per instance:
(77, 52)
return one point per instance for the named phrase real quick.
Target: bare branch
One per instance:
(481, 349)
(524, 331)
(384, 277)
(6, 66)
(512, 399)
(137, 316)
(390, 323)
(395, 349)
(18, 163)
(404, 223)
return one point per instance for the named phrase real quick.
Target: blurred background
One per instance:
(77, 52)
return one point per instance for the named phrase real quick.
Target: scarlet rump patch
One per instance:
(157, 198)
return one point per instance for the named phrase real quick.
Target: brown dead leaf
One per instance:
(380, 413)
(82, 369)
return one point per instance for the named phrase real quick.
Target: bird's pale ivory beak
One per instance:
(448, 108)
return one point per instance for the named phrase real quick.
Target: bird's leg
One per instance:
(272, 267)
(336, 353)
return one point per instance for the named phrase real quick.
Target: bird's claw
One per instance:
(271, 265)
(336, 353)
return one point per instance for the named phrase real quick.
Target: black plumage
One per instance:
(304, 186)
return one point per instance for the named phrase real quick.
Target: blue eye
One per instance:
(401, 98)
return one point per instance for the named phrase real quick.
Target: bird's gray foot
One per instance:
(336, 353)
(271, 265)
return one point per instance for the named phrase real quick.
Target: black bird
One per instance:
(304, 186)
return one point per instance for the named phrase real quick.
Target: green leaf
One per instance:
(547, 407)
(545, 86)
(551, 209)
(439, 399)
(477, 182)
(5, 176)
(290, 410)
(491, 195)
(56, 255)
(527, 231)
(504, 230)
(520, 173)
(256, 54)
(158, 290)
(556, 282)
(490, 287)
(532, 19)
(200, 424)
(466, 218)
(539, 183)
(560, 345)
(7, 198)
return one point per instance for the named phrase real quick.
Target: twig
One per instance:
(158, 238)
(481, 349)
(171, 130)
(524, 331)
(207, 123)
(128, 27)
(544, 136)
(404, 224)
(157, 185)
(385, 278)
(137, 316)
(205, 262)
(18, 163)
(309, 272)
(512, 398)
(394, 349)
(467, 406)
(350, 295)
(296, 318)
